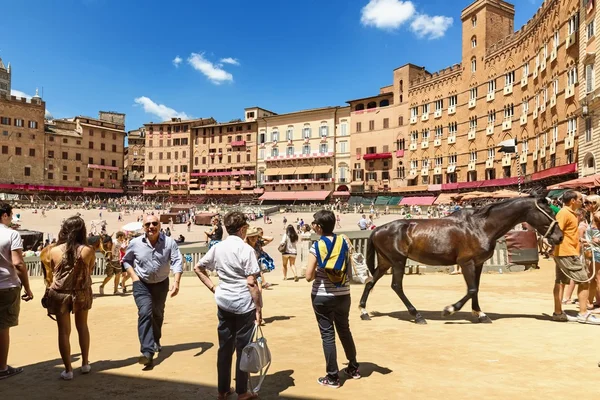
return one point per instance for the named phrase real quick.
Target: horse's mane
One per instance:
(484, 211)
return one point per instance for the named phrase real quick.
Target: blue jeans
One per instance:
(150, 299)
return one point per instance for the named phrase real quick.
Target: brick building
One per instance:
(21, 142)
(5, 79)
(589, 92)
(296, 153)
(168, 159)
(224, 158)
(510, 85)
(85, 154)
(133, 162)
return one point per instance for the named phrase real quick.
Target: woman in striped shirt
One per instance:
(331, 295)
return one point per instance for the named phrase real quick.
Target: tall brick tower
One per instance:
(4, 79)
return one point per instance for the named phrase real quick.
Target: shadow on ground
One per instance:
(461, 317)
(103, 383)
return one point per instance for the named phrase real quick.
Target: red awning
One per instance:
(304, 196)
(469, 185)
(377, 156)
(585, 182)
(102, 190)
(417, 201)
(341, 194)
(501, 182)
(238, 143)
(560, 170)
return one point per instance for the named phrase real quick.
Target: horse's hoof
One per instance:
(448, 311)
(420, 321)
(484, 319)
(365, 317)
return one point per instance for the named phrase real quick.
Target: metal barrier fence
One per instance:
(499, 259)
(34, 264)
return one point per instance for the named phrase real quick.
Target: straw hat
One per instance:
(252, 231)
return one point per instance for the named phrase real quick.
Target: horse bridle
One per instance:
(554, 222)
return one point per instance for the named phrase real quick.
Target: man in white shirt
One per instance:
(238, 298)
(13, 275)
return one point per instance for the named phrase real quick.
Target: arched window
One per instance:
(474, 21)
(371, 104)
(473, 42)
(359, 107)
(473, 64)
(384, 103)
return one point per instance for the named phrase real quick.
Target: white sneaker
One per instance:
(588, 318)
(86, 369)
(66, 376)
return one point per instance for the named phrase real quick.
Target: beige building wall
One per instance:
(296, 151)
(224, 158)
(168, 162)
(517, 87)
(589, 93)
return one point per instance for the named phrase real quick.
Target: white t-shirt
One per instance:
(9, 240)
(234, 261)
(290, 248)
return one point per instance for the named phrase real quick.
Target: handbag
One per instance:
(45, 301)
(282, 247)
(256, 357)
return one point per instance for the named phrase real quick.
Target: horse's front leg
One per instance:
(481, 316)
(468, 270)
(379, 272)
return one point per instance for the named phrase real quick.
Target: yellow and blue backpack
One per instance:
(332, 256)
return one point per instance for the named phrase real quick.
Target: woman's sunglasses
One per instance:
(153, 223)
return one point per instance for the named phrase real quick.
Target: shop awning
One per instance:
(162, 177)
(341, 194)
(445, 198)
(585, 182)
(410, 189)
(287, 171)
(300, 196)
(304, 170)
(322, 169)
(554, 171)
(417, 201)
(272, 172)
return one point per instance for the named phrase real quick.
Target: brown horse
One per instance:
(466, 238)
(101, 243)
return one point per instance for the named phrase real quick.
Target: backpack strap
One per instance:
(329, 245)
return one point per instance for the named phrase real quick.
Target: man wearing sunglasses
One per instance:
(148, 261)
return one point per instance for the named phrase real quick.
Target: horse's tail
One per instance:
(370, 258)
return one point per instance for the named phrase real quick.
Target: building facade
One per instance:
(21, 142)
(84, 154)
(168, 149)
(589, 93)
(224, 158)
(510, 85)
(5, 79)
(133, 162)
(297, 153)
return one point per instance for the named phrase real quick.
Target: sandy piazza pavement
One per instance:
(521, 355)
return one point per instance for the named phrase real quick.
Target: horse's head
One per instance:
(46, 264)
(541, 218)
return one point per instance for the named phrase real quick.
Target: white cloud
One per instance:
(230, 60)
(160, 110)
(392, 14)
(18, 93)
(176, 61)
(387, 14)
(213, 72)
(48, 114)
(430, 27)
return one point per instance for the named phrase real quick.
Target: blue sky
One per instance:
(153, 59)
